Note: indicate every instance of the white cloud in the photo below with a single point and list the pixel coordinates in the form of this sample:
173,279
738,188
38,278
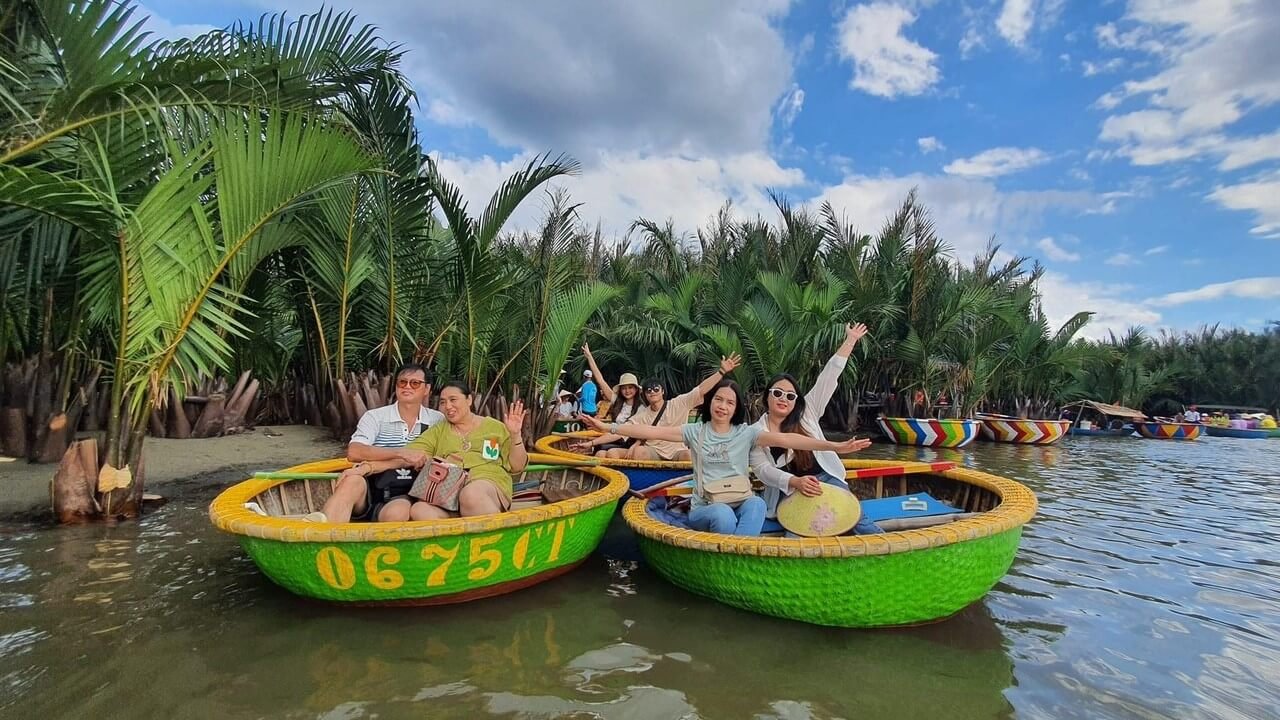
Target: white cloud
1121,260
1106,66
930,144
1015,21
1156,250
1262,196
162,29
790,105
996,162
885,62
1061,297
1218,61
1258,288
1054,251
971,41
967,212
618,188
446,113
690,78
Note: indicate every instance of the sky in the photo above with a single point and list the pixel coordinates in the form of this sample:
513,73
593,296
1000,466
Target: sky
1132,147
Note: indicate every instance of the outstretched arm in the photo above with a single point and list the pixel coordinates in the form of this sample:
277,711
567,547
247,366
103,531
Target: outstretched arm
853,332
640,432
825,386
606,389
796,441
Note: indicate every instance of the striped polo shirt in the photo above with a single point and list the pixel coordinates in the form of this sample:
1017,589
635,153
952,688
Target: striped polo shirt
382,427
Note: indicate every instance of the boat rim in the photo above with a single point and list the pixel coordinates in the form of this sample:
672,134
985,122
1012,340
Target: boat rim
544,446
229,514
1017,506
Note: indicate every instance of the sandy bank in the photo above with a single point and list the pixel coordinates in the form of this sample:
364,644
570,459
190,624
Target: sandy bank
223,460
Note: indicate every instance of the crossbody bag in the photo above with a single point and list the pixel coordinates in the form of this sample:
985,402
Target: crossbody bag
731,491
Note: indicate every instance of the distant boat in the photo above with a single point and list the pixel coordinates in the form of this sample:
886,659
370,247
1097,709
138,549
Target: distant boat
1004,428
929,432
1250,433
1159,430
1109,416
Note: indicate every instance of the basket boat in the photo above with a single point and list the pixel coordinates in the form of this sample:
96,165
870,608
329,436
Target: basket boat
929,432
1002,428
896,578
1100,432
548,531
1250,433
640,473
1156,430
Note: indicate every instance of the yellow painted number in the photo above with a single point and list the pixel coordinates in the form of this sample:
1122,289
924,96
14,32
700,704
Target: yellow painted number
433,551
555,542
521,551
491,558
335,568
383,578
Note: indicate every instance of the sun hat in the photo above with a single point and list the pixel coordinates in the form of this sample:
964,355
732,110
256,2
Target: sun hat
563,393
833,512
586,373
628,379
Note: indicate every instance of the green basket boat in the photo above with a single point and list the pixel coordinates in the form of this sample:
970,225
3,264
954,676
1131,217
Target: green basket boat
896,578
429,562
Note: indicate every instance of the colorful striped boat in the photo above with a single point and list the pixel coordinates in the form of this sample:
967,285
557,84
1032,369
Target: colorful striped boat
1156,430
929,432
1248,433
895,578
1003,428
431,562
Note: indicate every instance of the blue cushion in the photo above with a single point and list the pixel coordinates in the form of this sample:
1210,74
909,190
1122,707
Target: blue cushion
918,505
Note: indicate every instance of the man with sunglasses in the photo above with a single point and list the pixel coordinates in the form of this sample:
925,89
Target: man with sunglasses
382,434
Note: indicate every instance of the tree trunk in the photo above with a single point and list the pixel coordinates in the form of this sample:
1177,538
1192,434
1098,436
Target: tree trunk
210,422
54,439
75,483
13,432
179,424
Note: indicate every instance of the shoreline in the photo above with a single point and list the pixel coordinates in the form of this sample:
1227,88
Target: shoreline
24,487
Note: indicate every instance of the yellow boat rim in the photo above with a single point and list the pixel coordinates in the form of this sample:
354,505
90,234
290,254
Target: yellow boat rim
1017,506
546,446
228,512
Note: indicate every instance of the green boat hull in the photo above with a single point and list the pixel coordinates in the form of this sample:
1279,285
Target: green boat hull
857,592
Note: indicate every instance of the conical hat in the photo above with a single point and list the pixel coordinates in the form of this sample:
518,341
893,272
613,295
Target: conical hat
834,512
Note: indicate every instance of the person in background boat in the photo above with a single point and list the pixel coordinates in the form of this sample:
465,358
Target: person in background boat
568,407
491,451
624,399
1192,415
786,411
1267,423
722,441
587,393
661,412
381,435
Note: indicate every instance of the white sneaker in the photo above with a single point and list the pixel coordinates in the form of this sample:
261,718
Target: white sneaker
316,517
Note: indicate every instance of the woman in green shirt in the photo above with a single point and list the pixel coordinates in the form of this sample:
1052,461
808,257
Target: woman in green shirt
490,450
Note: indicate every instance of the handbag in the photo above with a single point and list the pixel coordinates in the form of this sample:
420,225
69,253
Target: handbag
731,491
440,483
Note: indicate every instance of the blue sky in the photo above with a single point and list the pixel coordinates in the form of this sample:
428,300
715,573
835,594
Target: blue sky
1132,147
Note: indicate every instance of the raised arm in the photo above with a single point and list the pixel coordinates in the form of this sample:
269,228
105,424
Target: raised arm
825,386
853,332
796,441
631,430
727,365
514,421
606,388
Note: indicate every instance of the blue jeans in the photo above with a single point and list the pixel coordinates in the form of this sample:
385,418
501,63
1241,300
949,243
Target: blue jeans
746,519
864,526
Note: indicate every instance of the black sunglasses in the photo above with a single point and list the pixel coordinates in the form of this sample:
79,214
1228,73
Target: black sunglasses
783,394
653,388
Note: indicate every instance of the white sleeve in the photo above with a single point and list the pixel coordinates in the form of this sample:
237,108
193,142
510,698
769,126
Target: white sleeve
770,474
824,387
366,430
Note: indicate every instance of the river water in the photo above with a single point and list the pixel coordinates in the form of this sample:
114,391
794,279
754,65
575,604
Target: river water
1147,587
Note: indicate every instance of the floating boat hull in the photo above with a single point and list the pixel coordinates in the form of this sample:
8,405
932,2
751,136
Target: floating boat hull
1168,431
415,563
1252,434
640,473
929,432
1100,432
896,578
1023,432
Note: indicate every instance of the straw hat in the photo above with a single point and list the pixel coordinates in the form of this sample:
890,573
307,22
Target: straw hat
834,512
628,379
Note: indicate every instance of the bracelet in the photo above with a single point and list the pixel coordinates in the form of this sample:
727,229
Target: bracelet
613,429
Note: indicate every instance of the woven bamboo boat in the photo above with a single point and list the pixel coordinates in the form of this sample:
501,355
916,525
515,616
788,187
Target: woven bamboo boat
896,578
929,432
1156,430
1248,433
1003,428
429,562
640,473
1100,432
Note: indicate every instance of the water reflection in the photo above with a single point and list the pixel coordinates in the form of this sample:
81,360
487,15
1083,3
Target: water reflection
1146,587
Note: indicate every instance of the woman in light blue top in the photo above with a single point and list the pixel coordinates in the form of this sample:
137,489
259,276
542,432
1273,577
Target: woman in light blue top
721,443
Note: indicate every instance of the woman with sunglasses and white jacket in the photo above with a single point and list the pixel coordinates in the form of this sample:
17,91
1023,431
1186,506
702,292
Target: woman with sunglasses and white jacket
785,471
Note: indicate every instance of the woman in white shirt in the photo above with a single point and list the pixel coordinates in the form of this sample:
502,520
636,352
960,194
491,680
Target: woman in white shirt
785,471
